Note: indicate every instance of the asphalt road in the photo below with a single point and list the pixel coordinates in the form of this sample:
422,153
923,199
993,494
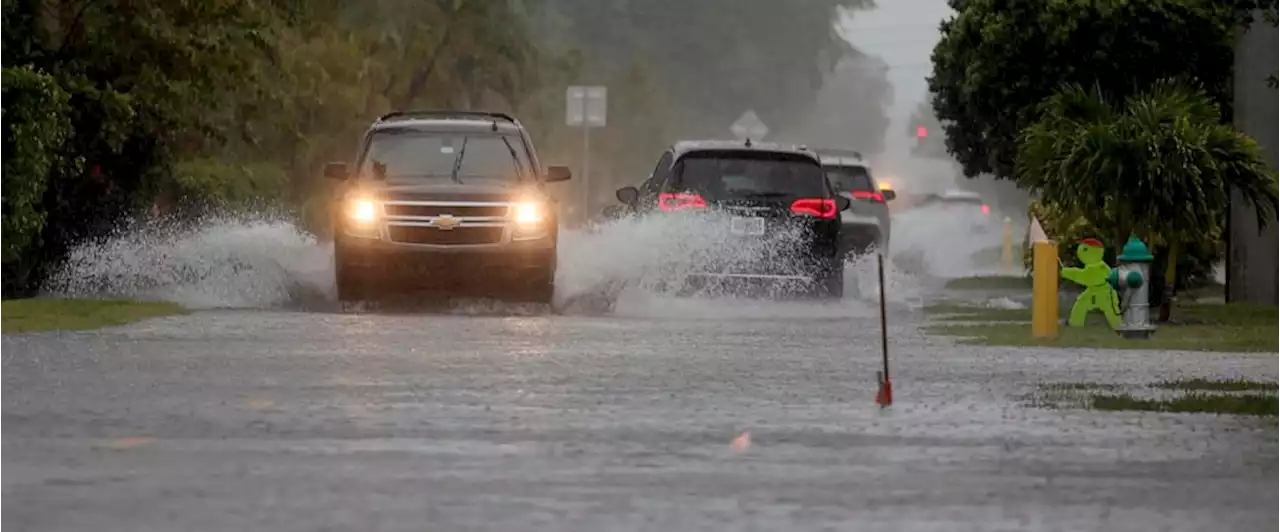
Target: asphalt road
255,420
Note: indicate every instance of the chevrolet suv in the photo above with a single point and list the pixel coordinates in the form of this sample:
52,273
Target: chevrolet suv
445,202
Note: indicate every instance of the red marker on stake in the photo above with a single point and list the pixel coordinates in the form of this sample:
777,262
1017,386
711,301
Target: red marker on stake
884,397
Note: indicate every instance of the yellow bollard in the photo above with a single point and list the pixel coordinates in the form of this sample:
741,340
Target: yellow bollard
1006,251
1044,290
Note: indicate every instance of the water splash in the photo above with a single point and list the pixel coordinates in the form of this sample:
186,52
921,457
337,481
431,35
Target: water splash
269,263
946,241
222,262
625,265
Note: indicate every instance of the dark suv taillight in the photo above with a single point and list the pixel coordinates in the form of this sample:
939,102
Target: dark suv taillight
820,207
669,202
872,195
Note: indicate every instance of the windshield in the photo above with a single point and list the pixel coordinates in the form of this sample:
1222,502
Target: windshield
849,178
405,154
744,175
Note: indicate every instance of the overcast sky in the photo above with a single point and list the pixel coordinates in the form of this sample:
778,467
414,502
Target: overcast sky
902,33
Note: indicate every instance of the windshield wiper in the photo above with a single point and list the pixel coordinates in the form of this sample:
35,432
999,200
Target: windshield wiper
457,161
512,151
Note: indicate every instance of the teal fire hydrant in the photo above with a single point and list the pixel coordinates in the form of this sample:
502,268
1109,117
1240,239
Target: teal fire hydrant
1129,278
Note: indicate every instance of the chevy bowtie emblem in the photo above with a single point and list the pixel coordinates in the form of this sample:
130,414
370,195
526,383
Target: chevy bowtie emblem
446,222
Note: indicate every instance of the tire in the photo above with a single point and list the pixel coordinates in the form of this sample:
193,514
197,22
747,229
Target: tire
830,282
539,287
351,283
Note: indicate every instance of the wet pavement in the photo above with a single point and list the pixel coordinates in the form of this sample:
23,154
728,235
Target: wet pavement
257,420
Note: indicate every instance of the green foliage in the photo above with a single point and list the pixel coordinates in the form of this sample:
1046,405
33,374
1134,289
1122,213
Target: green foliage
228,185
1160,166
998,59
35,128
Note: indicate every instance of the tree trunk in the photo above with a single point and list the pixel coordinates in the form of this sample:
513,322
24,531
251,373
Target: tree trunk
1170,283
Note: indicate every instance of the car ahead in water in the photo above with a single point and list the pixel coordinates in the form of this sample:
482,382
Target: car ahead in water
445,201
867,218
776,200
963,207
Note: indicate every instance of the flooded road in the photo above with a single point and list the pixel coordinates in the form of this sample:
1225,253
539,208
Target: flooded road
268,408
268,420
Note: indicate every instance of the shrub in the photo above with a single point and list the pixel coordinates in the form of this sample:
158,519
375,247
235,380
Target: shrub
36,125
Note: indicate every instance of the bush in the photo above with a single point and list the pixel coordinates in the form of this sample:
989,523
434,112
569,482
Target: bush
36,125
211,184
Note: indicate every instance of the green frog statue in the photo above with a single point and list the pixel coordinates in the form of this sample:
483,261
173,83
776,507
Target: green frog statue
1093,276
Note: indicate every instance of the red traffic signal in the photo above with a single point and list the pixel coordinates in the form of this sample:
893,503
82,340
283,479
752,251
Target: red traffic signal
921,132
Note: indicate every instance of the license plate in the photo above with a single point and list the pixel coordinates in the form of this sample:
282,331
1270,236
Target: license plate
747,226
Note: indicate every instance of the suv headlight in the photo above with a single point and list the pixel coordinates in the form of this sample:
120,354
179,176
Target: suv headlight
363,211
361,218
529,214
530,218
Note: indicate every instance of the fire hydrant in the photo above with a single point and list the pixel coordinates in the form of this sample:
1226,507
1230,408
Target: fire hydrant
1129,278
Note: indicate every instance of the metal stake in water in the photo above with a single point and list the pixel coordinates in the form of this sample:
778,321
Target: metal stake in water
884,397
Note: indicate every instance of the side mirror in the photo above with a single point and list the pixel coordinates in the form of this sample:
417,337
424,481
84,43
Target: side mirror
335,170
889,194
628,195
558,173
843,202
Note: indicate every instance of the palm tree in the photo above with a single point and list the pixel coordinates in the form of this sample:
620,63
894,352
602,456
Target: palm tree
1160,165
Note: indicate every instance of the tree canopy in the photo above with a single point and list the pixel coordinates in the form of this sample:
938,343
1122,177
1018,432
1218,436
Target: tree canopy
998,59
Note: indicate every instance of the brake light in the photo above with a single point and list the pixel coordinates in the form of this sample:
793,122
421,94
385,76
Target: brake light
669,202
821,207
873,195
986,209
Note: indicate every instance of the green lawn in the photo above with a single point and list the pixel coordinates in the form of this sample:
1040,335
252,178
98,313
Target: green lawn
1220,396
1195,327
34,315
1254,404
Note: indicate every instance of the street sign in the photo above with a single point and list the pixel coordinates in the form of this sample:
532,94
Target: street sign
749,126
589,101
586,107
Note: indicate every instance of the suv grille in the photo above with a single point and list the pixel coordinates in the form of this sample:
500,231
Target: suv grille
459,211
408,234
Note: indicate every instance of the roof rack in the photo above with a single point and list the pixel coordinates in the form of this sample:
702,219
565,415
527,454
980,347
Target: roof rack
444,113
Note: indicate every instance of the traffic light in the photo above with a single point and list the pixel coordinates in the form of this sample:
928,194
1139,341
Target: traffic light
922,132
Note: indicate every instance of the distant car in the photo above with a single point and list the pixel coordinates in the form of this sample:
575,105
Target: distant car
867,218
962,204
450,201
768,191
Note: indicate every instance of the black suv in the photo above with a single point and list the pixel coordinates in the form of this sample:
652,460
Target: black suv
445,201
768,193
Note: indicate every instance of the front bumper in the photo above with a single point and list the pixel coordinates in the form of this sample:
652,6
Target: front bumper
402,266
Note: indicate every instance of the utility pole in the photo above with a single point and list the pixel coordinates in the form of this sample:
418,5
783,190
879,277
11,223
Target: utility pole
1252,254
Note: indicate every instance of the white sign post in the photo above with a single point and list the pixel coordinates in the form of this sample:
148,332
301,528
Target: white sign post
749,126
586,107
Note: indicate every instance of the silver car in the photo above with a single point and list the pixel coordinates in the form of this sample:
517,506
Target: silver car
867,218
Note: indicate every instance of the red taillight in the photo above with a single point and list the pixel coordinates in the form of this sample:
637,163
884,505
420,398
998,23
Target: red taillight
872,195
669,202
820,207
986,209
